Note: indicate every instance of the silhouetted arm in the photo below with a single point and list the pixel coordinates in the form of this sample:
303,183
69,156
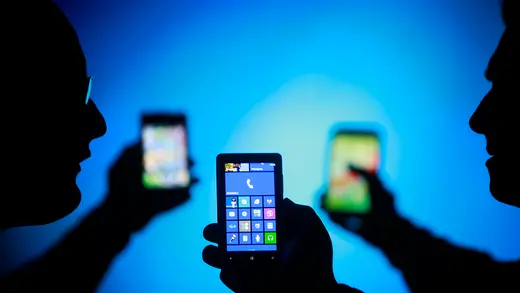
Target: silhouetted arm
431,264
77,263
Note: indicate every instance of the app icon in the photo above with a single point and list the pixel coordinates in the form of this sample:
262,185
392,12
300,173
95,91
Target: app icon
269,202
258,238
257,213
270,226
244,167
232,238
243,214
245,238
232,226
269,214
231,202
256,201
243,201
244,226
258,226
270,238
231,214
248,182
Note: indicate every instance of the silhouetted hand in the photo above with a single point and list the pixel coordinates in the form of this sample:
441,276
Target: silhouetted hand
129,201
381,213
306,265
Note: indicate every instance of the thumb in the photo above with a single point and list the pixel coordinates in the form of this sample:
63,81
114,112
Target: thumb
372,179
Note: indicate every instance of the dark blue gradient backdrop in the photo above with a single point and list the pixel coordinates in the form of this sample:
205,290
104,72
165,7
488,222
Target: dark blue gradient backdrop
259,76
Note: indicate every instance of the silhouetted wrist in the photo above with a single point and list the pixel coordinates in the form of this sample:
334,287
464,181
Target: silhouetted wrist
116,220
382,231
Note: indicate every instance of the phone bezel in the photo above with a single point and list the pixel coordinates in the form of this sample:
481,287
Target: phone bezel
248,256
345,129
163,119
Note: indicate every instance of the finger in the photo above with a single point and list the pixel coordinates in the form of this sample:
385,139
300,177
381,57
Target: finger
372,178
211,256
211,233
295,219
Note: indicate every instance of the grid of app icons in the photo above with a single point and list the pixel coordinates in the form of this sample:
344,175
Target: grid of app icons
250,206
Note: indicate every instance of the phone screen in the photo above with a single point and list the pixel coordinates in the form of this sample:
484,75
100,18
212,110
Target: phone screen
249,194
250,206
347,192
165,156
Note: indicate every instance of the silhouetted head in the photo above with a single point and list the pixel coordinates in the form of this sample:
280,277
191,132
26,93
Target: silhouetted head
48,124
498,115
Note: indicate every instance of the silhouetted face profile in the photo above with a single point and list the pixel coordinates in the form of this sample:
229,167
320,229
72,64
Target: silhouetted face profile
498,115
50,120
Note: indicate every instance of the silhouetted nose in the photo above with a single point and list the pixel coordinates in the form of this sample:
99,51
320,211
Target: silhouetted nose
481,117
96,126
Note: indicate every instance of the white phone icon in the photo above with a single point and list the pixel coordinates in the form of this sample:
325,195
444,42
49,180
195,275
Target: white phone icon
248,182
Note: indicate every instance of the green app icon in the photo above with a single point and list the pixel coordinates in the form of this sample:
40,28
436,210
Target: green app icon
270,238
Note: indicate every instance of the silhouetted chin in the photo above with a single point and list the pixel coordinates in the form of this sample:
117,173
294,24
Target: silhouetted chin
43,208
504,183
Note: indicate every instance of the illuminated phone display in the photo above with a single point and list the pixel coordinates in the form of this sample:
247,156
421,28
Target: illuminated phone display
165,156
250,207
347,192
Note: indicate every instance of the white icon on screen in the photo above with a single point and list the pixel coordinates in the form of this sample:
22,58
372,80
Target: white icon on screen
244,238
232,226
233,202
257,213
270,237
269,201
244,201
248,182
269,213
231,214
270,226
257,225
244,214
232,238
257,201
246,226
257,238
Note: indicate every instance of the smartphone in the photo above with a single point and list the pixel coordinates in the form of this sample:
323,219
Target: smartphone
347,192
249,198
165,152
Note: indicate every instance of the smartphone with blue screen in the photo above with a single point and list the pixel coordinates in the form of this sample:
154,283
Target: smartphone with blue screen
249,203
165,152
347,192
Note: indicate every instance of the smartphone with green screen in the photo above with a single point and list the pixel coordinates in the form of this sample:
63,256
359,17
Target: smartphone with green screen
347,192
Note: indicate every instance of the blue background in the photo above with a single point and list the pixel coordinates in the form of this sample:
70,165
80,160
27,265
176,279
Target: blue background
262,182
273,76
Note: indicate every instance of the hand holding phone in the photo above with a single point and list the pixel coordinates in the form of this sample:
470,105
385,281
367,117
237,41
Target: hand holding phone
306,263
137,191
128,202
355,197
347,192
266,243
